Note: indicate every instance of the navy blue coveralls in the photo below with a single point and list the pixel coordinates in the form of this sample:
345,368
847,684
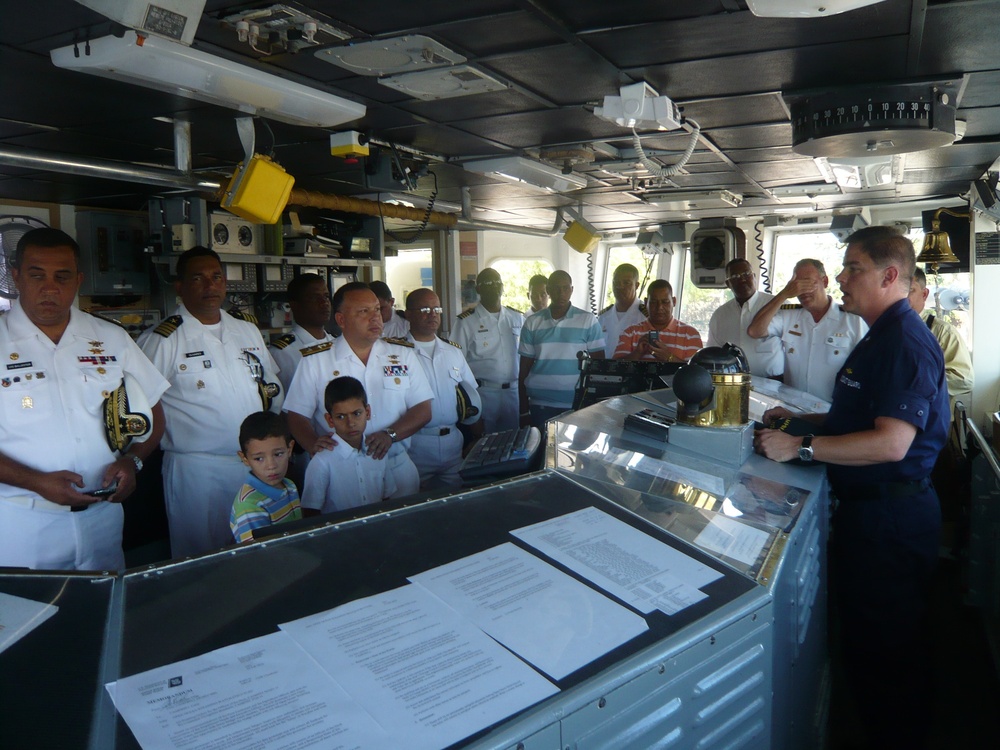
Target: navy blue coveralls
886,528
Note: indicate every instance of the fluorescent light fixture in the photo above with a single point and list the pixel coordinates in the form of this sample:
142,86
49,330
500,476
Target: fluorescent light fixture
864,172
805,191
535,173
679,200
805,8
167,66
444,83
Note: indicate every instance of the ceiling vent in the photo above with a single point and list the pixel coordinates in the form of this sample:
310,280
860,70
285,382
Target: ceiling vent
444,83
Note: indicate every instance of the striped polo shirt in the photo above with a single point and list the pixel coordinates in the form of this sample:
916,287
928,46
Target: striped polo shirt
554,344
682,340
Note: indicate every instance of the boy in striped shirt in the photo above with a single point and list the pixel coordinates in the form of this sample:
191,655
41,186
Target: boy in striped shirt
661,337
266,497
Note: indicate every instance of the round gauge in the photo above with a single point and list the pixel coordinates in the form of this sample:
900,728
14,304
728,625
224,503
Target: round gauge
245,235
878,121
220,234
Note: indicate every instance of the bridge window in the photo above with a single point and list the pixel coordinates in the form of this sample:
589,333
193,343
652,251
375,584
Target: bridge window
515,273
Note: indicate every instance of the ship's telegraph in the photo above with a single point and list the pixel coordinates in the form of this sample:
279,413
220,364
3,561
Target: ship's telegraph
713,390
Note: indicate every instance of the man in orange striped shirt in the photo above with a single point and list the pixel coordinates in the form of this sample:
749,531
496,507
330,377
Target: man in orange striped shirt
661,337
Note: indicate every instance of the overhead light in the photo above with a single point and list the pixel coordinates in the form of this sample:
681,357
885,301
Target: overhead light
805,191
639,106
381,57
519,169
679,200
167,66
862,173
805,8
444,83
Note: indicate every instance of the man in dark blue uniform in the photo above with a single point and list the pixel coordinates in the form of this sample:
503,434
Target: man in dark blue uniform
881,437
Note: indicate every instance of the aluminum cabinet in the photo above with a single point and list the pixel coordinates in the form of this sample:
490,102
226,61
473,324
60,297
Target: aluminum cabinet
682,492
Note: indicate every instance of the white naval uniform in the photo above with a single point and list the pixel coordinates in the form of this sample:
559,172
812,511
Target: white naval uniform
212,391
489,342
397,327
394,382
614,324
729,325
51,402
436,448
344,478
815,352
287,351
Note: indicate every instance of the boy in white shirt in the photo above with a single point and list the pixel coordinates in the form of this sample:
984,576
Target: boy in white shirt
346,476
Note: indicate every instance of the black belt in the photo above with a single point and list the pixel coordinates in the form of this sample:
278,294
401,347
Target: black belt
78,508
437,431
876,490
493,382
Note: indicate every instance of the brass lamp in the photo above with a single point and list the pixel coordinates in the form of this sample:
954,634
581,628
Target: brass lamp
937,249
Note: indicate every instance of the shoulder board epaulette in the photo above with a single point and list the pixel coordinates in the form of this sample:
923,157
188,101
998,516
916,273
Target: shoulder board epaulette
791,306
106,320
457,346
168,326
604,310
467,313
282,341
240,315
514,309
643,309
316,348
400,342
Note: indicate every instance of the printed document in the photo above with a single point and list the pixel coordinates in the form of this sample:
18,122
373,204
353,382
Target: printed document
265,693
424,672
546,617
638,569
729,537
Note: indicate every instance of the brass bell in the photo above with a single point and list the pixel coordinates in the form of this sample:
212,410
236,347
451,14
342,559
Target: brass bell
937,249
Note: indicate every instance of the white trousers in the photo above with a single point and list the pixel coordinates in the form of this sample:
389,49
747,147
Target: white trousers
199,490
500,408
437,457
46,539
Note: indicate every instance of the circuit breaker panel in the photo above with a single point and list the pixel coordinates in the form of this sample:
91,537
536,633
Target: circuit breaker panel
112,253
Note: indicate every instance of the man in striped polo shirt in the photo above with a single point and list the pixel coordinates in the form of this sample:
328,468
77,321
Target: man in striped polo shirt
550,342
662,337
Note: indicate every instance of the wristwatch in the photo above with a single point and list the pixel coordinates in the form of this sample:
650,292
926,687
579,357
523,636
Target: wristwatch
806,449
391,433
136,460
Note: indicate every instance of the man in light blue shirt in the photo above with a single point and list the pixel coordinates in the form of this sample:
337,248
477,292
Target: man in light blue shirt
550,342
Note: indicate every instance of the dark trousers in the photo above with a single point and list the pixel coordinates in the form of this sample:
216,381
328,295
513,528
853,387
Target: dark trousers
883,552
542,414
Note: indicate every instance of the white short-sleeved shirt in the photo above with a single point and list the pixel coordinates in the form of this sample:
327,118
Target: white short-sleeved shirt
729,325
212,385
52,395
489,342
394,381
287,351
614,324
815,352
445,368
345,477
397,327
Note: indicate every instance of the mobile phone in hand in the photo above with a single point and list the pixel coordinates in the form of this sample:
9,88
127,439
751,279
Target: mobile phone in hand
654,337
103,491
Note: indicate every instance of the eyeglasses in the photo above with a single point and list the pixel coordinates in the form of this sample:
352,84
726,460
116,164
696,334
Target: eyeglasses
497,282
740,276
429,310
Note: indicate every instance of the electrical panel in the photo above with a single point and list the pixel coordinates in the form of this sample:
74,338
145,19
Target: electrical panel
112,253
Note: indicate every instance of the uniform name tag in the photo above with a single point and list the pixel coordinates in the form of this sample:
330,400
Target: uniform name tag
795,333
19,366
194,354
394,370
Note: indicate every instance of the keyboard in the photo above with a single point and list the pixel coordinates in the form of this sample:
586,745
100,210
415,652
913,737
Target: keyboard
502,454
